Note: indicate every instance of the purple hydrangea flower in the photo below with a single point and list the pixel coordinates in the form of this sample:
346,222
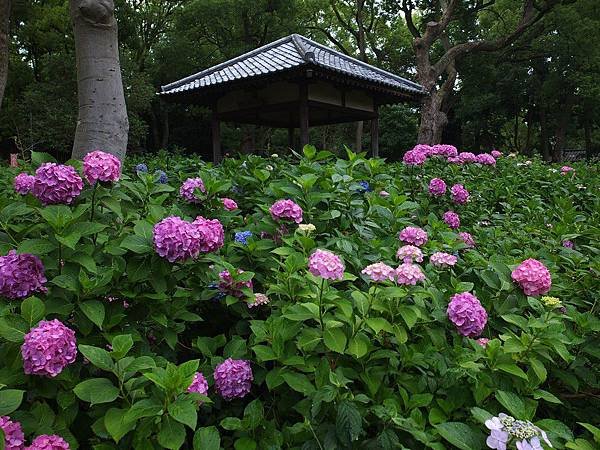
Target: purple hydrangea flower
446,150
101,166
176,240
259,299
409,253
229,204
231,287
467,157
467,239
486,159
286,210
414,157
211,234
48,348
325,264
21,275
467,314
161,177
187,191
496,154
437,187
409,274
48,442
533,277
441,259
199,384
459,194
233,378
14,439
452,219
568,244
23,183
379,272
56,184
413,235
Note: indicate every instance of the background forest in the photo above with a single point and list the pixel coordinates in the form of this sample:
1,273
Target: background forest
537,95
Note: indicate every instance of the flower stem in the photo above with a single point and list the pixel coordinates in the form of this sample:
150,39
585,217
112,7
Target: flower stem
322,287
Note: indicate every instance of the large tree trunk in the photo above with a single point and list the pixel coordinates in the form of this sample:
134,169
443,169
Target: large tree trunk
102,122
4,42
544,135
433,120
561,128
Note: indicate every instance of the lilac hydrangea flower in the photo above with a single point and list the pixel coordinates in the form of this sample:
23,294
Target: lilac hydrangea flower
533,277
414,157
452,219
325,264
446,150
56,184
568,244
413,235
409,253
467,239
460,195
187,191
48,348
486,159
21,275
229,204
409,274
437,187
379,272
231,287
467,314
14,439
467,157
441,259
286,210
101,166
211,234
505,429
233,378
199,384
23,183
175,239
48,442
259,299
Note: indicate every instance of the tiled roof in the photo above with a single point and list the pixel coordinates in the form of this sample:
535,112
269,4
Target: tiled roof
286,53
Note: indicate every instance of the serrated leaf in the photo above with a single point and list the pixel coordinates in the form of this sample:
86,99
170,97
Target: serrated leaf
512,369
207,438
335,339
32,310
183,410
97,356
96,390
348,423
298,382
116,425
512,402
10,400
94,310
461,435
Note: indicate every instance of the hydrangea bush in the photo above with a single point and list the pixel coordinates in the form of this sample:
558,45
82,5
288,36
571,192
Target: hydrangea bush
286,303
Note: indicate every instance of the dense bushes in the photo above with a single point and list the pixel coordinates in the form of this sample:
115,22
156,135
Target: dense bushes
200,333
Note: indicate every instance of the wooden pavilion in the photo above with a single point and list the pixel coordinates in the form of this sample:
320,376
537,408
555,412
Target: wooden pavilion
291,83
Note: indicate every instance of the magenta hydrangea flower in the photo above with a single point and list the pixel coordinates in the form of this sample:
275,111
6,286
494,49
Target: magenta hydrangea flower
176,240
446,150
56,184
566,169
379,272
441,259
467,157
460,195
413,235
21,275
454,160
48,348
286,210
496,154
233,378
14,439
231,287
467,239
437,187
325,264
486,159
229,204
259,299
409,274
23,183
533,277
568,244
409,253
467,314
187,191
211,234
48,442
101,166
452,219
423,148
199,384
414,157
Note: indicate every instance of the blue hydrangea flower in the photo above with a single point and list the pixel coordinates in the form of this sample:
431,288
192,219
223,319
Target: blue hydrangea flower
364,186
242,236
161,177
141,168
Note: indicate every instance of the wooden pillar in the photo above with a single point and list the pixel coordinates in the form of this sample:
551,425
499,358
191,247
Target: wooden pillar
375,133
291,137
215,126
303,115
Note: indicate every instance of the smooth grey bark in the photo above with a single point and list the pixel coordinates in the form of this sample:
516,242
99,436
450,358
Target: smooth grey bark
102,123
4,42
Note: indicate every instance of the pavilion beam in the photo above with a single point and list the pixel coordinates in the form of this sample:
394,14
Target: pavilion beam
215,126
303,105
375,133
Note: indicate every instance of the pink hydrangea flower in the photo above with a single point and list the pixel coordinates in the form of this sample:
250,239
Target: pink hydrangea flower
452,219
467,239
460,195
23,183
56,184
414,157
441,259
467,157
286,210
325,264
379,272
101,166
533,277
496,154
413,235
48,442
199,384
259,299
233,378
187,191
467,314
446,150
229,204
423,148
437,187
483,342
566,169
409,274
21,275
48,348
454,160
211,234
176,240
486,159
384,193
231,287
14,439
409,253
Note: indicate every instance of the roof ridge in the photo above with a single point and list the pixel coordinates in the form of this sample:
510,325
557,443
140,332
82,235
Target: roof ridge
227,63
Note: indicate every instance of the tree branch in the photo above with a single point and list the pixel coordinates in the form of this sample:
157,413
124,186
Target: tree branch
331,37
407,8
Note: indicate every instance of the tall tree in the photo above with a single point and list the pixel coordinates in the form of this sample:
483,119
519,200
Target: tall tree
4,44
434,35
102,122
